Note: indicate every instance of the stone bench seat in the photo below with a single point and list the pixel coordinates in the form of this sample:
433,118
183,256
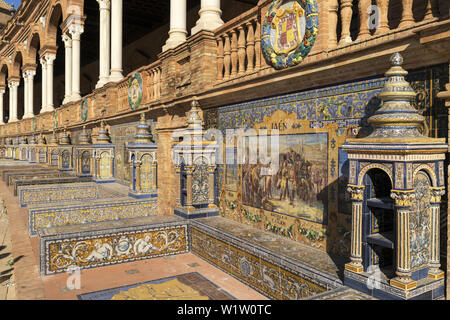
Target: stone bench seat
88,212
56,180
277,267
107,243
56,194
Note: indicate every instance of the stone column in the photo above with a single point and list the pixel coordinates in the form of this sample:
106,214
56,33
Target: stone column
357,195
210,16
44,85
435,272
68,67
28,76
2,92
50,58
116,40
25,95
13,85
75,31
105,37
403,200
177,32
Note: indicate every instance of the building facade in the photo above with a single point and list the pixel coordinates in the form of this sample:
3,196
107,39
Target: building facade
312,71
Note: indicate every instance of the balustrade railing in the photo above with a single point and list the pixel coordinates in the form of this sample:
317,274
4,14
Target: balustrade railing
239,46
349,21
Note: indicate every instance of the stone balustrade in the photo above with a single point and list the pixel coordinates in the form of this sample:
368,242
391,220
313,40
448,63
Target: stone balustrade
239,46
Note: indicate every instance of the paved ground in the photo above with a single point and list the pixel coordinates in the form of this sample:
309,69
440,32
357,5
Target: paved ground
28,285
7,289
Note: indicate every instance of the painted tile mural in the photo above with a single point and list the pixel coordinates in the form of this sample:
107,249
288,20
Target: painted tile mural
305,199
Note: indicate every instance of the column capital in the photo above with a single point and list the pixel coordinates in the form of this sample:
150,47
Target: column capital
13,83
104,4
43,62
75,30
403,198
436,194
67,40
29,73
356,192
2,91
50,58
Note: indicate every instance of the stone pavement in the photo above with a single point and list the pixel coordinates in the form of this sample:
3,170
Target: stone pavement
7,290
29,285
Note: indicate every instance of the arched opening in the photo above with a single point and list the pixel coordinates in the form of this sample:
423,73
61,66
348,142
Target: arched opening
35,46
3,80
55,33
18,63
378,223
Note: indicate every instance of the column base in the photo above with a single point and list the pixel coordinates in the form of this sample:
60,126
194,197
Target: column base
209,20
75,97
403,284
116,75
28,116
176,37
436,274
101,83
345,41
47,109
13,120
67,99
356,268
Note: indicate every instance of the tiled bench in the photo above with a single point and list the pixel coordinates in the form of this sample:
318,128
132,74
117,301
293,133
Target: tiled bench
277,267
108,243
96,211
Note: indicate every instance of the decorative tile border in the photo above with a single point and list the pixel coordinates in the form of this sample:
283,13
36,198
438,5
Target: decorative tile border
97,211
107,244
34,195
268,273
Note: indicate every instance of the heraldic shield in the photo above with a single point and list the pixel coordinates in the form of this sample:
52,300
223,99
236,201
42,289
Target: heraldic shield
289,32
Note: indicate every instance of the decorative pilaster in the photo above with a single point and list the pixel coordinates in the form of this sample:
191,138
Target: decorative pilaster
105,38
75,31
178,185
357,196
210,16
189,171
346,18
138,175
68,67
116,40
177,32
211,170
403,199
434,263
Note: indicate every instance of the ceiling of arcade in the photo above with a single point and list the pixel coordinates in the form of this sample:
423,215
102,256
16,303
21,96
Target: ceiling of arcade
36,27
